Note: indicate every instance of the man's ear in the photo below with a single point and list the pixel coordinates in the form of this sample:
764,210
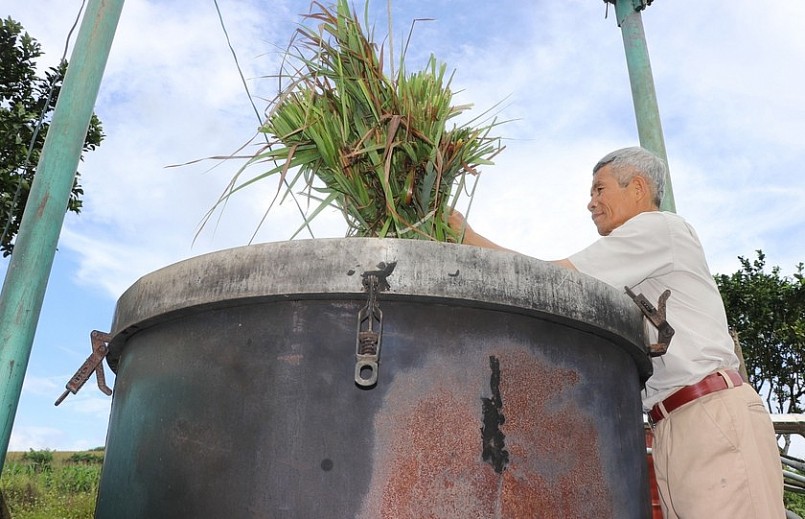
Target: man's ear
641,188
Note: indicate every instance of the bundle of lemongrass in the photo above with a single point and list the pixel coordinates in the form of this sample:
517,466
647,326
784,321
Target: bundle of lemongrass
379,146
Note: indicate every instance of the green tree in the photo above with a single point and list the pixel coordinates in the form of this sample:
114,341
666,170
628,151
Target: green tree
767,310
25,99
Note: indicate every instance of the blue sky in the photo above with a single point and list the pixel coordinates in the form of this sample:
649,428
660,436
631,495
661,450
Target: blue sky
729,82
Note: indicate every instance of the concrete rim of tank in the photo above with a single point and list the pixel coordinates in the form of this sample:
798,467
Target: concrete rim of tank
427,271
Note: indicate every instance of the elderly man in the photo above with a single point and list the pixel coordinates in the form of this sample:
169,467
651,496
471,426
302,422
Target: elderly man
715,453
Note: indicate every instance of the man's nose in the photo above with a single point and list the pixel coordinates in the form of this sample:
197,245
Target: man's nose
591,204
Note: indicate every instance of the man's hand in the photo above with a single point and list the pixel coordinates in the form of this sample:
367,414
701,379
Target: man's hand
458,224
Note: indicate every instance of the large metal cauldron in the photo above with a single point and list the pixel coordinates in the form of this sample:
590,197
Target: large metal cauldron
506,388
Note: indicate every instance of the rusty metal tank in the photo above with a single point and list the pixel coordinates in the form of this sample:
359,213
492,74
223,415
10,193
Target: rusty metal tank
369,378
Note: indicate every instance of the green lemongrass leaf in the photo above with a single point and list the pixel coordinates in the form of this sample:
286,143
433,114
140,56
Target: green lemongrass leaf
426,187
324,204
383,232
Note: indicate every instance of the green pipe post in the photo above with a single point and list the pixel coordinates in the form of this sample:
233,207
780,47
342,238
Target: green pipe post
35,246
647,113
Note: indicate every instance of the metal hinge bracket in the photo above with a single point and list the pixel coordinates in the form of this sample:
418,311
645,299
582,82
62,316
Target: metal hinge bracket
656,316
100,347
370,326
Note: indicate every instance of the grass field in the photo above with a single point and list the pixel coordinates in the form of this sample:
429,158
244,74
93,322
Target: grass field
51,485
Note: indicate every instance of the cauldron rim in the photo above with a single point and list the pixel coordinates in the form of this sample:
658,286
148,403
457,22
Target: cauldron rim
425,271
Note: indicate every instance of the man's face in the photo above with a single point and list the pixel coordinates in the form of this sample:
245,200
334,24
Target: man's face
610,204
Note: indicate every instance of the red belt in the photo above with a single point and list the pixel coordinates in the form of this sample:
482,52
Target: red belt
709,384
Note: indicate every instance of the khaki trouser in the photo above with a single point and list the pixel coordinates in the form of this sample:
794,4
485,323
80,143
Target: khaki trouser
717,457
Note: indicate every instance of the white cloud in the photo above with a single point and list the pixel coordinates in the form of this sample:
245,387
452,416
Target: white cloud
36,438
42,385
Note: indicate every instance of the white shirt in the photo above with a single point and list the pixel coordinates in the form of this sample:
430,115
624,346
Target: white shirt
650,253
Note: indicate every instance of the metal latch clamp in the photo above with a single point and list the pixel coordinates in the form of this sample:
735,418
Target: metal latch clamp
100,347
656,316
370,326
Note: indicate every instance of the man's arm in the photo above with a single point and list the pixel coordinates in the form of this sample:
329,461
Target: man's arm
458,223
565,263
469,236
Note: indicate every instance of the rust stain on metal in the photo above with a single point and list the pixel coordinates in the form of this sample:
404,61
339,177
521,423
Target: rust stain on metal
555,468
428,456
40,210
436,470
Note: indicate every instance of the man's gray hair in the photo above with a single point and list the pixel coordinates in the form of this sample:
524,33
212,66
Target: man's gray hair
628,162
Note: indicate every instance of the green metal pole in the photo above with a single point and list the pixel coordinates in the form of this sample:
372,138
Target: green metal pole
649,128
35,246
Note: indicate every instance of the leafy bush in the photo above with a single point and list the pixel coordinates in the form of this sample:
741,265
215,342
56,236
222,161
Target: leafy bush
41,459
24,97
77,478
86,458
795,498
795,502
20,486
65,490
